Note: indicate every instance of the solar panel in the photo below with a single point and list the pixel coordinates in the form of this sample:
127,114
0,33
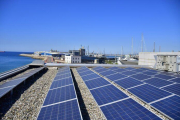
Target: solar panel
158,82
141,76
170,106
128,73
177,75
107,94
129,68
167,73
116,76
154,71
85,73
97,68
59,95
113,68
62,77
165,77
108,72
149,93
127,110
96,83
64,111
176,80
128,82
139,70
175,88
60,83
89,77
5,90
149,73
101,70
120,70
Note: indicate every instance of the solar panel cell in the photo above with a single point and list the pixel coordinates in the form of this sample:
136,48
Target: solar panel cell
176,80
108,72
128,73
120,70
107,94
89,77
149,93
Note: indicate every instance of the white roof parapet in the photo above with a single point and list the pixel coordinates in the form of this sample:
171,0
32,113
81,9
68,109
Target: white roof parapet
94,65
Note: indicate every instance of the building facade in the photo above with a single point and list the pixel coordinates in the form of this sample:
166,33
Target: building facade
72,59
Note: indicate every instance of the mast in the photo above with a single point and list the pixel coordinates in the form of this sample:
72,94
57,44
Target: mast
142,43
132,46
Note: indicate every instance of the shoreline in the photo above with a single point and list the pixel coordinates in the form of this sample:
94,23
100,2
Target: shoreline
33,56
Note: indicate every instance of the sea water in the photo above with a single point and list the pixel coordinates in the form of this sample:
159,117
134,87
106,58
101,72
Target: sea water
12,60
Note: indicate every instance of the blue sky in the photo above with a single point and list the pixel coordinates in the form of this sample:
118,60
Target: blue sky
35,25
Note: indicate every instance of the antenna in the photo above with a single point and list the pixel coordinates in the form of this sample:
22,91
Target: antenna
142,43
132,46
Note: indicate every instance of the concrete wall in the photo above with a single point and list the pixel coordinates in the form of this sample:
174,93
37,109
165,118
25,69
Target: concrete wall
149,58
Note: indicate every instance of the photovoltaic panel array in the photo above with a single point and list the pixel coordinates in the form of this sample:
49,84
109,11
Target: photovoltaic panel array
11,72
114,103
10,85
116,76
61,101
161,96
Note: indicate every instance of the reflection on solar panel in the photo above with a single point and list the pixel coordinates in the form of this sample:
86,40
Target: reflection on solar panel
128,73
64,111
107,94
101,70
97,68
5,90
127,110
158,82
128,82
116,76
176,80
164,76
108,72
96,83
154,71
149,93
170,106
60,83
167,73
149,73
60,94
139,70
89,77
175,88
141,77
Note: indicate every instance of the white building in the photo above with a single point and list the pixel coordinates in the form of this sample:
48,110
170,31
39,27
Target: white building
72,59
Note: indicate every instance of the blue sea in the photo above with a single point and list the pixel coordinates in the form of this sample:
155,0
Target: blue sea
12,60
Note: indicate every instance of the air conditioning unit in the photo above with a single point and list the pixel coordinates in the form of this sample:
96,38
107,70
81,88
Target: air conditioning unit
168,63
